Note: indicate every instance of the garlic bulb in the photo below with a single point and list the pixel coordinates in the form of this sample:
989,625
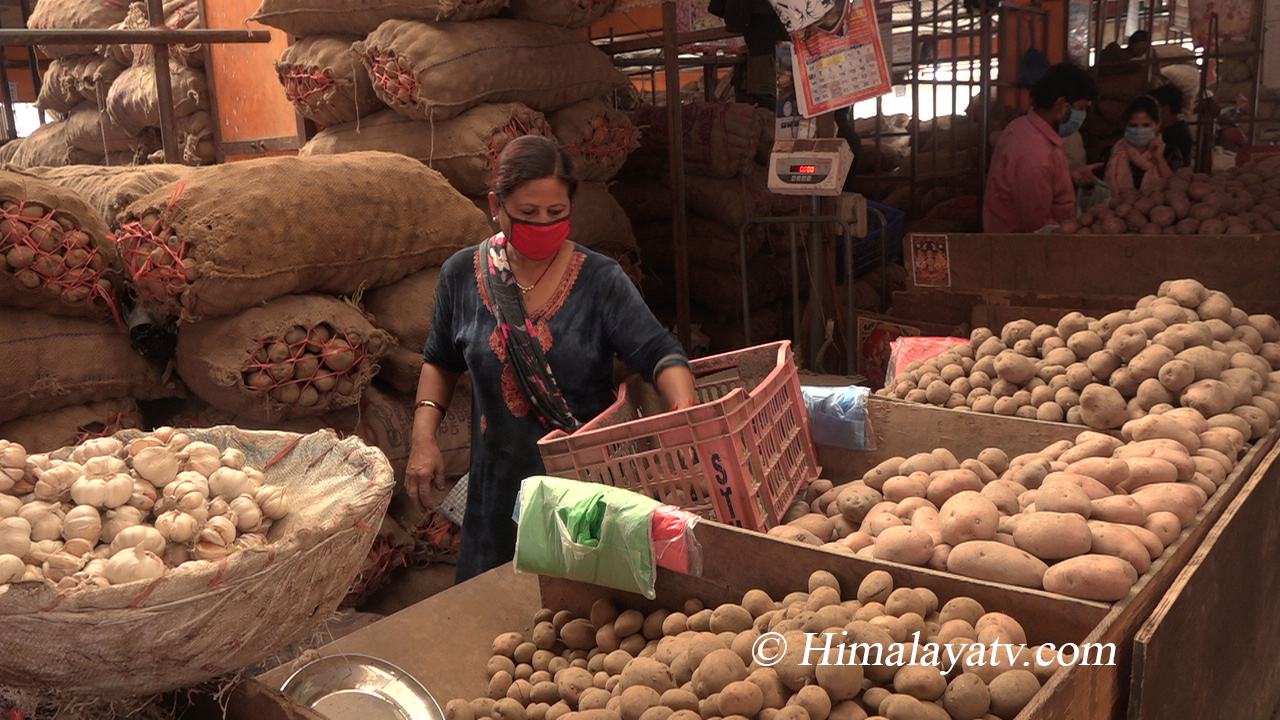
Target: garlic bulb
9,505
156,465
54,484
142,443
45,519
39,461
133,564
61,564
215,540
178,441
140,536
184,495
41,551
107,492
162,434
144,496
119,519
201,457
83,580
230,484
219,506
82,521
176,554
177,527
248,516
11,569
13,464
250,541
233,458
272,500
15,536
104,466
97,447
32,573
79,547
201,482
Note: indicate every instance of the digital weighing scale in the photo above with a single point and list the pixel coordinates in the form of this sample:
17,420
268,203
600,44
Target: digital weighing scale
809,167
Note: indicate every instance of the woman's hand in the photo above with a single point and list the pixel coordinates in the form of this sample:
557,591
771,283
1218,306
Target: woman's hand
425,468
1157,145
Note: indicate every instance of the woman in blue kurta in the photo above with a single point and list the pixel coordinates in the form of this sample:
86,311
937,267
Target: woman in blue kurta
537,321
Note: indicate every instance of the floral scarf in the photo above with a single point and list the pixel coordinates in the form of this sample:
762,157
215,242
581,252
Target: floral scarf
524,352
1119,173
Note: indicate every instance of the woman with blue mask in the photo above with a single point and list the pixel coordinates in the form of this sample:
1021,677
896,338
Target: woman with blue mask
1137,160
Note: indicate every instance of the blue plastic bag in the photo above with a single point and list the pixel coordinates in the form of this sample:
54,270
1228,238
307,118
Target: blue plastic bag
838,417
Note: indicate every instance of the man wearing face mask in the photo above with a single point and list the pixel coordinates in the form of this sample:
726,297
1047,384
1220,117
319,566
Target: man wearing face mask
537,320
1029,184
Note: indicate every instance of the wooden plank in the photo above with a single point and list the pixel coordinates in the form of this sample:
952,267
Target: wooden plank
1090,693
1245,266
905,428
445,640
735,561
1211,648
247,700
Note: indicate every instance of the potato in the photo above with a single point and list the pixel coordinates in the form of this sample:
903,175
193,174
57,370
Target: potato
1084,343
1092,577
814,700
876,476
741,698
1163,426
920,462
994,458
903,544
1102,407
1258,420
1210,397
1119,541
1181,499
1244,381
1011,691
1187,292
1207,362
856,499
1014,367
994,561
578,634
817,524
1165,525
967,697
1111,472
1053,535
506,643
509,709
923,682
1067,493
968,515
1127,341
1215,305
1118,509
875,587
946,484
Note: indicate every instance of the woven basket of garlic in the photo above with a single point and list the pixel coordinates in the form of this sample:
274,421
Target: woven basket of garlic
146,562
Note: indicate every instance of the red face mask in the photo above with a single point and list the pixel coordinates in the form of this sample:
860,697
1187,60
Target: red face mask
538,241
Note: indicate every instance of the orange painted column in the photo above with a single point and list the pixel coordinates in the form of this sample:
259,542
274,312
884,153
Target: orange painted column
254,117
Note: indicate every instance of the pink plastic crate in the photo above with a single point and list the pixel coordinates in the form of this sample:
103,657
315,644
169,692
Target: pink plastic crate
739,457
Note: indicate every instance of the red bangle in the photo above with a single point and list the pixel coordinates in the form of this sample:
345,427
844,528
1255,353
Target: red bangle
683,404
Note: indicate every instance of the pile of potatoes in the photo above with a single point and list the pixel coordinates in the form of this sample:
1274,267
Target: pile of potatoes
1184,346
1240,201
698,664
1084,518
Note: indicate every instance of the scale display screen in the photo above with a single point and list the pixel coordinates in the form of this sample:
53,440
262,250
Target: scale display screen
804,169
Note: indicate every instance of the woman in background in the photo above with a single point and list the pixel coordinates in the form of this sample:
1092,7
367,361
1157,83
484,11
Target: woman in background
1137,160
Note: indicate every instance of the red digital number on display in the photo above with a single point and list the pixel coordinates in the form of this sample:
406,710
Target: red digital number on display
804,169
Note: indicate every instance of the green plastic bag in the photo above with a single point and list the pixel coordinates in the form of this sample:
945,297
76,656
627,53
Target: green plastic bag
586,531
1088,198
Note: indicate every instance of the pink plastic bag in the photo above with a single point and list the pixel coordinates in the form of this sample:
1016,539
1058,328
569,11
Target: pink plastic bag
906,350
674,545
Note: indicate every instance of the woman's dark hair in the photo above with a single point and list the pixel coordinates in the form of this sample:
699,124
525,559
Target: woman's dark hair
532,157
1169,96
1063,80
1143,104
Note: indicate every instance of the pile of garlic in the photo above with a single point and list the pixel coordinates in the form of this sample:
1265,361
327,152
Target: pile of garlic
115,513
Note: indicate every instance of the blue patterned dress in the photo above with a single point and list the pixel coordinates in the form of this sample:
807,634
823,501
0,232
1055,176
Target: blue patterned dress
594,314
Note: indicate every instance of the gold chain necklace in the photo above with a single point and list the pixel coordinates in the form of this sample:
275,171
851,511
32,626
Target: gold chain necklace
526,289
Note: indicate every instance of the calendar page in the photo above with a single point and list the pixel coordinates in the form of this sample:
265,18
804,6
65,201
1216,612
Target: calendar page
841,60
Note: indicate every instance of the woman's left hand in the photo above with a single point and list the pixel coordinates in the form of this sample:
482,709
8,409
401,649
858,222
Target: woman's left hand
1157,145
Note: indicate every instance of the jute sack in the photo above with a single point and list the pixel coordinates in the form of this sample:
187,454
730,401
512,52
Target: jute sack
55,362
644,201
75,15
719,286
93,77
463,149
324,80
385,420
9,150
565,13
195,139
404,308
91,130
720,139
435,71
323,17
599,222
294,356
178,14
729,201
58,90
334,224
134,105
598,137
205,619
59,256
51,430
710,244
109,190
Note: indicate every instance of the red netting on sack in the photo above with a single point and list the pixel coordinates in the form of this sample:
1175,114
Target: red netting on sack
303,85
608,141
396,80
305,366
110,426
154,255
384,557
532,124
44,249
437,540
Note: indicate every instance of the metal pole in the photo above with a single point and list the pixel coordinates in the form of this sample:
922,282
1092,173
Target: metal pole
32,58
164,86
816,328
675,150
11,123
28,38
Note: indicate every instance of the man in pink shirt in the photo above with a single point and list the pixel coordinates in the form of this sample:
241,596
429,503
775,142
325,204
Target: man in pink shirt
1029,184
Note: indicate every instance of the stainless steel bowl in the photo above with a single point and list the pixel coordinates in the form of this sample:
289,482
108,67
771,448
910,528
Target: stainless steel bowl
360,687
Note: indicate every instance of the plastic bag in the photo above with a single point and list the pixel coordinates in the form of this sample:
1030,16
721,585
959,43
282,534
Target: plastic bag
454,505
838,418
674,545
586,531
1088,198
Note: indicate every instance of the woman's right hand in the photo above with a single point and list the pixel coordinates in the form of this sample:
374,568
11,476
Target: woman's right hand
425,468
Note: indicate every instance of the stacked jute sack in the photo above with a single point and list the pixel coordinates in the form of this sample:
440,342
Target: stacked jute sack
726,185
104,97
268,292
72,372
450,83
